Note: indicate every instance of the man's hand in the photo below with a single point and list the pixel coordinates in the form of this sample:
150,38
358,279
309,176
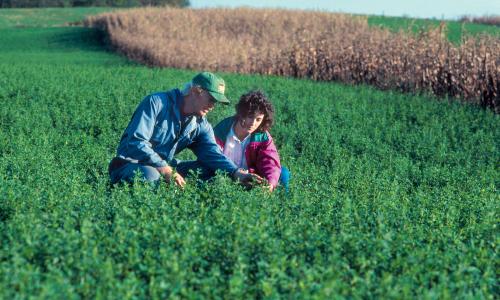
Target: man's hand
247,179
168,173
179,180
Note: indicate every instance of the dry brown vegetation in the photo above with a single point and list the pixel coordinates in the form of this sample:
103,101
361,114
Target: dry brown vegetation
488,20
317,45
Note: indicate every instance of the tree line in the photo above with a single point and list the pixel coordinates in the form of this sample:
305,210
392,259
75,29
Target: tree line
71,3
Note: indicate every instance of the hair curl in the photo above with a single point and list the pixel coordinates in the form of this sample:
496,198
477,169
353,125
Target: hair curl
253,103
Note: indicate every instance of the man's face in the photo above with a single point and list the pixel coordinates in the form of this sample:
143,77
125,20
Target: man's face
204,103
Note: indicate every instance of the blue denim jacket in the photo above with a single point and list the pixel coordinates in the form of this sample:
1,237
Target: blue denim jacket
154,135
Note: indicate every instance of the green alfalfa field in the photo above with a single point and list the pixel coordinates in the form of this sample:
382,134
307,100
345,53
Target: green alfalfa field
392,195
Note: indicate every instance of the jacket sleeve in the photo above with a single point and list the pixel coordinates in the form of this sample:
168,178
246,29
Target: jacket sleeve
209,153
140,130
268,162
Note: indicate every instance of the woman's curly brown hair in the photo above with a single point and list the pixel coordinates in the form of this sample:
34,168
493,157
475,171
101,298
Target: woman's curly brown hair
253,103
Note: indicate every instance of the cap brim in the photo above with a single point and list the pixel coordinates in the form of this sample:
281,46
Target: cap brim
219,97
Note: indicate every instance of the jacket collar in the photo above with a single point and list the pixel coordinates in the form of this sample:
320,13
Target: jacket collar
222,129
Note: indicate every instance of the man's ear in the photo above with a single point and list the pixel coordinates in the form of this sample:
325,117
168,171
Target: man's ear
197,90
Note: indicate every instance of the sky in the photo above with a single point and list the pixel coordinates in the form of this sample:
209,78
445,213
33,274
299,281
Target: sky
439,9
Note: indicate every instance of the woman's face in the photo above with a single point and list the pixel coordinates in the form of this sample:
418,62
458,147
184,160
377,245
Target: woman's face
251,122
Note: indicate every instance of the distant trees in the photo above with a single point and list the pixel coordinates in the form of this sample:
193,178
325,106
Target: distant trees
487,19
70,3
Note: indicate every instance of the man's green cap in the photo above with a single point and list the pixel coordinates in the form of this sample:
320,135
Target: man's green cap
212,84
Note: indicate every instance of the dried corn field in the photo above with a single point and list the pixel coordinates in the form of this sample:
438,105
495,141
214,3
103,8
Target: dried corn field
316,45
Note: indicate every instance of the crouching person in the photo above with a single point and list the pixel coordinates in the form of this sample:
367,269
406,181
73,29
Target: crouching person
245,139
166,123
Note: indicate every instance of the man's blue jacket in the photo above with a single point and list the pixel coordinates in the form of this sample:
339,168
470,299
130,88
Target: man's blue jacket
158,131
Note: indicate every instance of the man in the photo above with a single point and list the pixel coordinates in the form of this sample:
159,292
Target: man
164,124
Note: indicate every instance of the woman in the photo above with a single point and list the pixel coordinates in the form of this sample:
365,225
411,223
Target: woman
244,138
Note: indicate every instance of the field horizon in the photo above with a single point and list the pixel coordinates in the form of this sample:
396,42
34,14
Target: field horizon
392,196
